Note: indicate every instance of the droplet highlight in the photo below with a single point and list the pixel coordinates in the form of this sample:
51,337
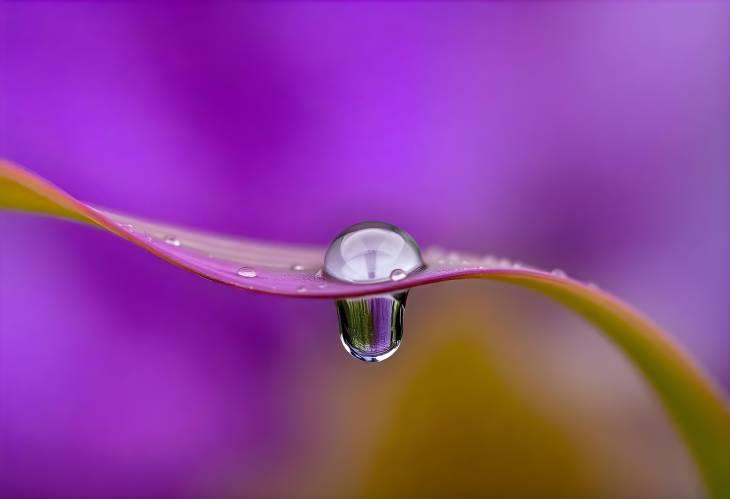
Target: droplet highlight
371,328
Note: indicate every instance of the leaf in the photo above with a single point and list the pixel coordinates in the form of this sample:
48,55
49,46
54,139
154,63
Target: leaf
696,406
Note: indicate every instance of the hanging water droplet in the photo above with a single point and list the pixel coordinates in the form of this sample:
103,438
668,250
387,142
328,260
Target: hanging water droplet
398,275
246,272
297,267
172,241
371,327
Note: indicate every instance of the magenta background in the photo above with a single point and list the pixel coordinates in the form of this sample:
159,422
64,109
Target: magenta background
589,137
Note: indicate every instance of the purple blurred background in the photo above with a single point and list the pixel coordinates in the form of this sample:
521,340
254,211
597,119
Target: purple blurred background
588,137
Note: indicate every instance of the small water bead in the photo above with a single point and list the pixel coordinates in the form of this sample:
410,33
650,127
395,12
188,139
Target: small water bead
246,272
301,289
172,241
371,327
297,267
398,275
559,273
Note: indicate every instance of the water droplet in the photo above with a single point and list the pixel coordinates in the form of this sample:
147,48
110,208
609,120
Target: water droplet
172,241
559,273
371,327
322,286
398,275
297,267
128,227
301,289
367,253
246,272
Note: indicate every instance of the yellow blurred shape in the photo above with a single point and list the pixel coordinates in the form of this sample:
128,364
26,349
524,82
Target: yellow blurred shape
459,429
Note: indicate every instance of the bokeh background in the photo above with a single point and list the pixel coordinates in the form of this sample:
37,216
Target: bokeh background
590,137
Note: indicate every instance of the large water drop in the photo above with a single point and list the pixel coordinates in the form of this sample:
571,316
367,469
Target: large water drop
371,327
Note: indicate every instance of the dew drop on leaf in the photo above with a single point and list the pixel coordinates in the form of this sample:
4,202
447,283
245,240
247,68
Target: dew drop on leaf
398,275
172,241
246,272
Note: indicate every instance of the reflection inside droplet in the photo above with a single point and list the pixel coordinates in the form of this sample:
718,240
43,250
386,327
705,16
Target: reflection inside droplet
371,327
